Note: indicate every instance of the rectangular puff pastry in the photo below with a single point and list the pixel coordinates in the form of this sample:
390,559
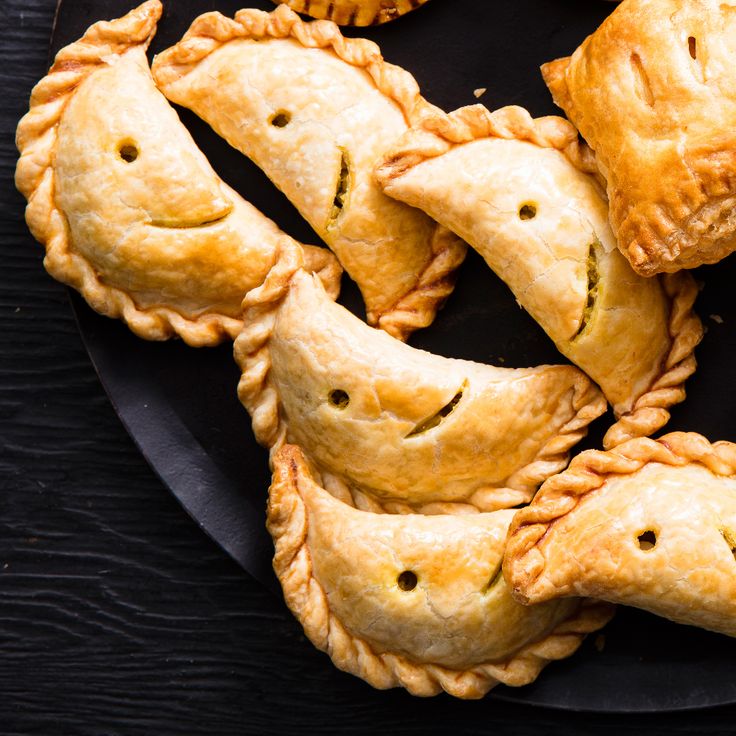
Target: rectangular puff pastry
653,92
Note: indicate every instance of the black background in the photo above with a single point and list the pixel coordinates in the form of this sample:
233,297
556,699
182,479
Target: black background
117,614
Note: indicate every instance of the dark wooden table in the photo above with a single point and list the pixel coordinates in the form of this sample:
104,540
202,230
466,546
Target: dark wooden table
117,614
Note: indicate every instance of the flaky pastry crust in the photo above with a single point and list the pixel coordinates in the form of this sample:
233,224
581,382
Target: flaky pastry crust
354,12
316,110
361,404
347,577
129,210
652,91
649,524
500,180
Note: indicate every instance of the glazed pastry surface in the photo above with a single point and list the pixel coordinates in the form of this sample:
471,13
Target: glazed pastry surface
650,524
516,190
354,12
652,92
130,211
407,428
411,600
316,111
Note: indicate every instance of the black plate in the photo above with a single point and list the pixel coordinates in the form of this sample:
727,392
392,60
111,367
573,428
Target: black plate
180,406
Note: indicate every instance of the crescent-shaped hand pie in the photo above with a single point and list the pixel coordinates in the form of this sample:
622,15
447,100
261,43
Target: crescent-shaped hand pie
413,601
405,429
517,190
650,524
354,12
130,211
316,111
652,91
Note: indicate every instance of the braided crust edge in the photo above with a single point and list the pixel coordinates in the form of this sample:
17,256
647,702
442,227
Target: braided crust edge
211,31
439,132
36,138
651,410
288,523
524,562
258,393
354,12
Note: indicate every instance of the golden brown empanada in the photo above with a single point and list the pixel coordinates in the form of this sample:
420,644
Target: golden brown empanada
354,12
413,601
516,189
130,211
652,91
650,524
316,111
401,428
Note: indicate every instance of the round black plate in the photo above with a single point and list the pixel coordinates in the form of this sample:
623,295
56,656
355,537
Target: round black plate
180,405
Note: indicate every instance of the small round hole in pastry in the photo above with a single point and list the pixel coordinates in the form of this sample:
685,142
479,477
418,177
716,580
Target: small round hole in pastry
647,540
280,119
407,580
128,151
527,211
339,398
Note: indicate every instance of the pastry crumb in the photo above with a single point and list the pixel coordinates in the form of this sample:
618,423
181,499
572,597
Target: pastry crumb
717,318
600,642
480,91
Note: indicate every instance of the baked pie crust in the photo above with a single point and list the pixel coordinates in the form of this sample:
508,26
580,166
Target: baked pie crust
650,524
354,12
316,111
130,211
413,601
519,191
399,428
652,91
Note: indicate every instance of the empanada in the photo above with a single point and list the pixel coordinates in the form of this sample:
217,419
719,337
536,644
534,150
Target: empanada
400,427
354,12
517,190
653,93
413,601
130,211
650,524
316,111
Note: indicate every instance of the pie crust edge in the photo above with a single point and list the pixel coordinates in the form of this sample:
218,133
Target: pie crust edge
439,132
210,31
524,562
288,523
354,12
258,394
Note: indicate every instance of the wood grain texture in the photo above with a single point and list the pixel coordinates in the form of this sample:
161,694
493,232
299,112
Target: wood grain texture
117,615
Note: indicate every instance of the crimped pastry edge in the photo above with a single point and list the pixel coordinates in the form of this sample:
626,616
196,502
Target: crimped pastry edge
559,496
438,132
258,394
354,12
288,523
36,139
210,31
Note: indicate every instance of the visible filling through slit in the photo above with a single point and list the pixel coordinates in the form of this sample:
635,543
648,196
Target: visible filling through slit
593,283
729,537
495,579
341,191
437,418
